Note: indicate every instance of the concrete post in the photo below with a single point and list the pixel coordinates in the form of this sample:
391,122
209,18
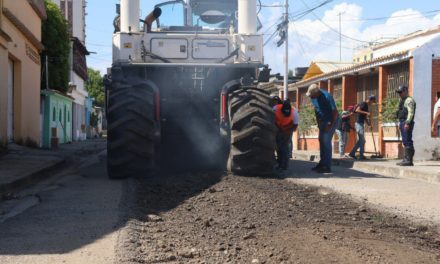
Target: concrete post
382,95
349,97
331,86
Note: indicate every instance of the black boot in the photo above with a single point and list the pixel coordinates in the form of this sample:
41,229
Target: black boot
409,161
405,158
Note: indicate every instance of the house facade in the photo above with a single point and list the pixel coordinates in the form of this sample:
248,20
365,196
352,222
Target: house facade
20,70
74,12
58,121
412,60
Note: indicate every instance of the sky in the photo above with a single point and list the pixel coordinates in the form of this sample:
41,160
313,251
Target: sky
313,37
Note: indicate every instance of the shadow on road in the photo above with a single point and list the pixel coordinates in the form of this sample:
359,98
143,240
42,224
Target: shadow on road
303,169
85,207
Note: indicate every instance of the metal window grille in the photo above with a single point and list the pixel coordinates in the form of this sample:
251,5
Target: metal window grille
398,74
369,85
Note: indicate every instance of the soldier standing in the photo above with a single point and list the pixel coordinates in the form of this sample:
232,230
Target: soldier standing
406,113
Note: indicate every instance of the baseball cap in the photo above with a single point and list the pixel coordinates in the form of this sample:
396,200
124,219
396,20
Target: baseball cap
286,108
401,88
312,90
372,98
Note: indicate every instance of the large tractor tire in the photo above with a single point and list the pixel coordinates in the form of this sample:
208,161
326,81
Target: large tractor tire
253,133
131,125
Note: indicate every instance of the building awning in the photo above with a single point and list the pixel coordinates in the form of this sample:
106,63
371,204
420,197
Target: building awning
321,67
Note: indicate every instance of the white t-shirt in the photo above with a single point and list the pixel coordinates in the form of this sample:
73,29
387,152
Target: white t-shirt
436,106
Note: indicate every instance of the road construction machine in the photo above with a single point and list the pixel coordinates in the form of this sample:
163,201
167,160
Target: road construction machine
183,89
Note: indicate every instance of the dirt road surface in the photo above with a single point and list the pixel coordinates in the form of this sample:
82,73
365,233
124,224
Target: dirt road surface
79,216
210,218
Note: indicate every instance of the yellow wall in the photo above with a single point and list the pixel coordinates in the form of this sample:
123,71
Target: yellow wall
24,12
27,73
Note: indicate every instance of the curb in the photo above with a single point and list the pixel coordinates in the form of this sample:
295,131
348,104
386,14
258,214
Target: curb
27,180
400,172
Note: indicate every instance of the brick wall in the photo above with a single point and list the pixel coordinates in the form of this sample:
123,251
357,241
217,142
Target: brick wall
393,150
435,81
311,144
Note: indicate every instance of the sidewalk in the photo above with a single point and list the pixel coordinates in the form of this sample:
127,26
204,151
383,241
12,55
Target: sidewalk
424,170
21,167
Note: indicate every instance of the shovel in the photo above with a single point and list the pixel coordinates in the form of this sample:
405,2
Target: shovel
376,154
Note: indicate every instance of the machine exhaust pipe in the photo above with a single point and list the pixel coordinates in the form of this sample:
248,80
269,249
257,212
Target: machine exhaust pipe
155,14
247,17
129,16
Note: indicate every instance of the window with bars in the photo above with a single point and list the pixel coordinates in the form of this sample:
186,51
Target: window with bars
369,85
337,89
398,74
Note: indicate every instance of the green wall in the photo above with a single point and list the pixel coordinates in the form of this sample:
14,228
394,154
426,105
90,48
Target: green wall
57,114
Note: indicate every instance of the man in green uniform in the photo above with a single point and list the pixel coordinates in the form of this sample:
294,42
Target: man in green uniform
406,113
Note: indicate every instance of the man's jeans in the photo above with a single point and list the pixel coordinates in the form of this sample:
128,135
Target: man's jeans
360,144
407,134
325,145
342,135
283,149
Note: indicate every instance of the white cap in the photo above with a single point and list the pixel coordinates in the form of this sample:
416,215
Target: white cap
312,90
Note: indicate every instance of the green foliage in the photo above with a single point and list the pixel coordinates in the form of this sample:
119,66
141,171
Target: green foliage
290,74
307,118
389,109
95,86
339,105
55,38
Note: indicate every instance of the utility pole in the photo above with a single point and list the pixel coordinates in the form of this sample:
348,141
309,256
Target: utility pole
47,72
340,37
286,51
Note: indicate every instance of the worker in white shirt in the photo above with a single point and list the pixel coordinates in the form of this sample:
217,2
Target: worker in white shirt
436,117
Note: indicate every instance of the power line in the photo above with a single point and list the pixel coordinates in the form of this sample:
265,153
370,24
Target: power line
309,10
332,29
300,42
392,17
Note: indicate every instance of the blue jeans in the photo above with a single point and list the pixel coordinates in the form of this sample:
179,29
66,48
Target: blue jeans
407,134
325,145
283,149
342,135
360,144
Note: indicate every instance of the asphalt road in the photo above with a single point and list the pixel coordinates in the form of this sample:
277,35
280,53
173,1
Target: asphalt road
72,218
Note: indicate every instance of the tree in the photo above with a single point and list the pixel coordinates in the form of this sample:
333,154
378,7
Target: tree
95,86
290,74
55,38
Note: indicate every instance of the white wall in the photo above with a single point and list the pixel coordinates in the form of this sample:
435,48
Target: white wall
404,45
79,20
424,144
